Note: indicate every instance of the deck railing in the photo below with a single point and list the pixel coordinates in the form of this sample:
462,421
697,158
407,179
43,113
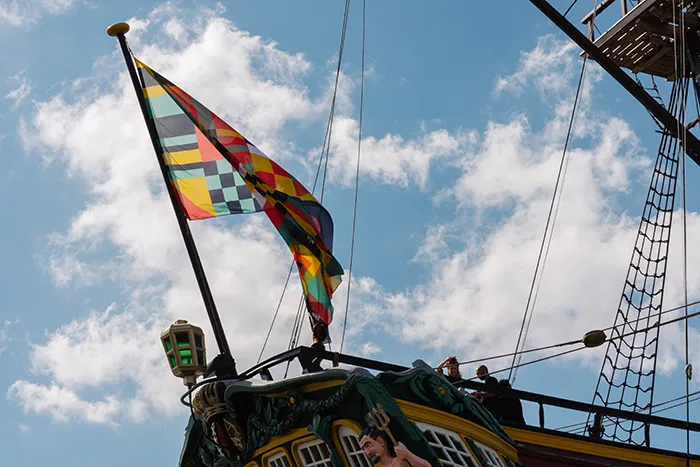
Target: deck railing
306,353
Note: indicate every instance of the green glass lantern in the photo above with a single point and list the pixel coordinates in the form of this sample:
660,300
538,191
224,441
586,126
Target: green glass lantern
184,348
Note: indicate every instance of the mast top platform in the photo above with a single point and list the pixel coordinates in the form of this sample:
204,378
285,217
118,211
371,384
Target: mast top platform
642,40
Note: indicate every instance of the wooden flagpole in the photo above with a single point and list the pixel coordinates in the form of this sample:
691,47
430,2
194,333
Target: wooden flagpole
119,30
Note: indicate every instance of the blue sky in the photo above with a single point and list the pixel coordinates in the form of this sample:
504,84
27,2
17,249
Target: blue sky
463,129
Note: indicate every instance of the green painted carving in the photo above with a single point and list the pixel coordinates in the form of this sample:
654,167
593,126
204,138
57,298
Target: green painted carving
428,385
375,393
272,416
211,456
222,461
276,416
193,438
322,428
200,449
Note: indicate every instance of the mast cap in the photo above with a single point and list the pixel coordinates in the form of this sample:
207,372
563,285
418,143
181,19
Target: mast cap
118,28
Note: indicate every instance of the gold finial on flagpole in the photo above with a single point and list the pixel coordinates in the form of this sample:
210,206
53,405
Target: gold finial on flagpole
118,28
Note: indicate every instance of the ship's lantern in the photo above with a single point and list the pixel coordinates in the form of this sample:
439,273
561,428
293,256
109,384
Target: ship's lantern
185,350
594,338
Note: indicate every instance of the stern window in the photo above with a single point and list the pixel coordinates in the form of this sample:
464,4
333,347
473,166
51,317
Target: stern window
351,445
448,446
315,454
492,458
278,460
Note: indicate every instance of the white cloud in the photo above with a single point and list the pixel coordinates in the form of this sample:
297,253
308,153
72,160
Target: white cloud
435,246
547,67
479,266
21,92
23,428
369,348
263,91
62,404
5,334
390,159
129,210
27,12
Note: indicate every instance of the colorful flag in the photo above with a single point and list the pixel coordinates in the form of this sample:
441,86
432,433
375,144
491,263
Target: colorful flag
206,184
216,171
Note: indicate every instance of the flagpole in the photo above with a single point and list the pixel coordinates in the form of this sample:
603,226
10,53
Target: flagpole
119,30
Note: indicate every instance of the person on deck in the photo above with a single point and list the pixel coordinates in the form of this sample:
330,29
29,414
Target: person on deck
511,409
320,335
488,400
380,451
453,373
483,374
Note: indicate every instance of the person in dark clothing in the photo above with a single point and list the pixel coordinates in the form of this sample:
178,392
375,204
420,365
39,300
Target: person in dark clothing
320,334
489,401
483,374
511,409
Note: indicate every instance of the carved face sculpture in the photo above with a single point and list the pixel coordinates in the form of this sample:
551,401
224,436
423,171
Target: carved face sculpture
374,449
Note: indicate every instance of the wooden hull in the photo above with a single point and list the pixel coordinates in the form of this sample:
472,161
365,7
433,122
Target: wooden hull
548,448
315,420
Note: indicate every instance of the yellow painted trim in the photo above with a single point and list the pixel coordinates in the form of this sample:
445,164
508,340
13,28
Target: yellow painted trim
336,437
280,440
421,413
295,448
354,426
251,464
595,449
272,452
311,387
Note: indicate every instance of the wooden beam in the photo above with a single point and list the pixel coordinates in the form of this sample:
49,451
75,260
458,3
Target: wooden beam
598,10
658,28
623,24
649,62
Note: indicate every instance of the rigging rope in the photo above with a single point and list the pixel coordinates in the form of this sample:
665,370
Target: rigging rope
575,427
296,330
578,428
329,128
570,7
572,342
620,337
277,310
515,364
546,253
643,292
324,152
357,175
684,229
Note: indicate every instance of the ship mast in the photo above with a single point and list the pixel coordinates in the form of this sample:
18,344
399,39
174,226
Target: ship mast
656,38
